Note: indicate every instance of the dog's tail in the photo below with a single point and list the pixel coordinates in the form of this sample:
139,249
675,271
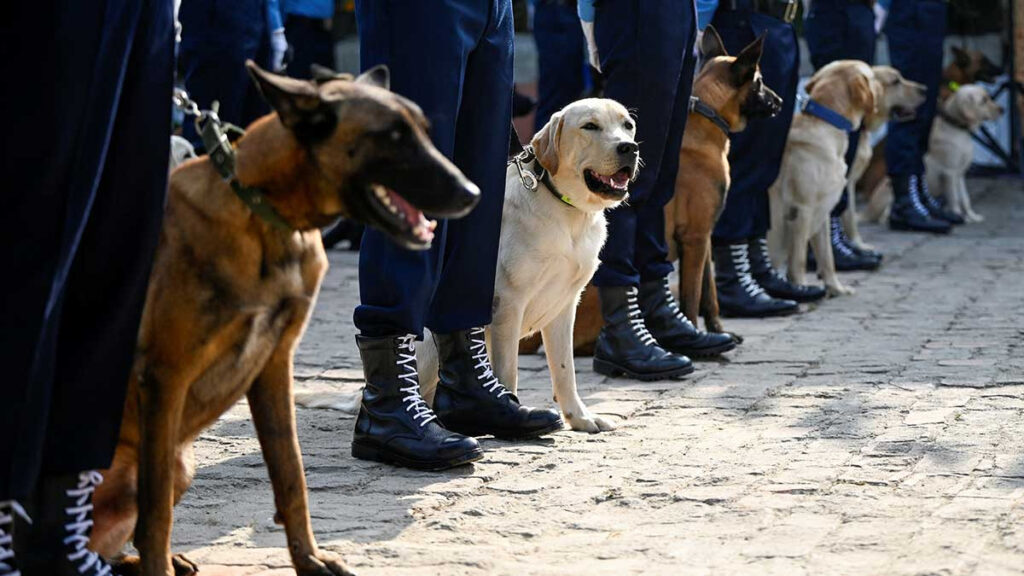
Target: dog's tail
427,363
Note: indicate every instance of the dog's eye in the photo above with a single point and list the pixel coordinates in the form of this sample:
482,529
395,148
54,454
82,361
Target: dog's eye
590,126
628,125
395,135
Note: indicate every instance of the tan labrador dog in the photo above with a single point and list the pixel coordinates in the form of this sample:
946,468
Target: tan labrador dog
551,236
951,149
813,172
899,102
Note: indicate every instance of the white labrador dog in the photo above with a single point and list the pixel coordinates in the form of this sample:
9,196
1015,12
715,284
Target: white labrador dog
951,149
813,172
552,229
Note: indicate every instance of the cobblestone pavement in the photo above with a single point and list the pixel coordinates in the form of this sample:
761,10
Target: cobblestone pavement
875,434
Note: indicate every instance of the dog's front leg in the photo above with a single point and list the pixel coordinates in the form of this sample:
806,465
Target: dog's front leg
849,218
558,345
821,243
965,200
162,402
273,412
798,234
691,275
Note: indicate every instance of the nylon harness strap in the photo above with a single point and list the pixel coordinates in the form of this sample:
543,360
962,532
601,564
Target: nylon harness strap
222,155
828,115
698,106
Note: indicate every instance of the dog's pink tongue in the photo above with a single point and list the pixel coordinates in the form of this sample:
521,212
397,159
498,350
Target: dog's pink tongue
411,214
620,179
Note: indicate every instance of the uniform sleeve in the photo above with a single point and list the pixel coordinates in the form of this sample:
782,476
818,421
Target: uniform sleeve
585,8
705,12
274,20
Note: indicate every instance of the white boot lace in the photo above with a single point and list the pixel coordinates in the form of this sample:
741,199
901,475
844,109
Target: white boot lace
762,247
839,241
915,196
673,305
81,523
478,345
414,402
636,317
741,259
7,511
925,195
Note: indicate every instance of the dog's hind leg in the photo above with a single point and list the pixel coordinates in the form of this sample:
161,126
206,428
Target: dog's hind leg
709,300
272,404
965,200
798,228
558,345
849,219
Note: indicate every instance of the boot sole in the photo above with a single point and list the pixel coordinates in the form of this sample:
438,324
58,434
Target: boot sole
507,435
899,227
706,352
375,453
609,369
769,314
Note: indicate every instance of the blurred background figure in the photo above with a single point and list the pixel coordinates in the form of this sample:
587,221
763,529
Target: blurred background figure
308,26
216,39
915,30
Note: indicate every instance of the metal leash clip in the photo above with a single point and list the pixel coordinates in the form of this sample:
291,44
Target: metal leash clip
182,102
529,178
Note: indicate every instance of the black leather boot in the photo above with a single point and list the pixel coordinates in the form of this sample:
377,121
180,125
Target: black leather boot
739,295
672,329
773,282
932,204
625,346
908,213
55,542
847,258
470,400
8,564
395,425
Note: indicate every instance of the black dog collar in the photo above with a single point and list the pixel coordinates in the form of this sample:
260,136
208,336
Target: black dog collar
531,179
697,106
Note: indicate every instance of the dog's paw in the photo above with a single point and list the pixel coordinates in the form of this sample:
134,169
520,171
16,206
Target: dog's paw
974,217
838,289
183,566
591,423
323,563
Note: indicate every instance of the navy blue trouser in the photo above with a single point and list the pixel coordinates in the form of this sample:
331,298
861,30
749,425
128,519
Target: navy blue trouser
646,49
311,43
85,151
841,30
217,38
454,59
561,57
755,155
915,30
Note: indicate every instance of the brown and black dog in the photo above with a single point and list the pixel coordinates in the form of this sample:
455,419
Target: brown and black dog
967,67
731,89
230,295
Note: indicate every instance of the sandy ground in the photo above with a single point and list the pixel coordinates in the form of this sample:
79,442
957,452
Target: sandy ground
875,434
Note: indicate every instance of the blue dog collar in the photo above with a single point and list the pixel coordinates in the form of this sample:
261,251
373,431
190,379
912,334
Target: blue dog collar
828,115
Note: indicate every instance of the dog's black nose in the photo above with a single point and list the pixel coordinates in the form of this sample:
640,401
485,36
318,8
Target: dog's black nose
627,148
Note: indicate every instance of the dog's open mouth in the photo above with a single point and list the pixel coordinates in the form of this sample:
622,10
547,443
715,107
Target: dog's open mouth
406,224
614,186
902,114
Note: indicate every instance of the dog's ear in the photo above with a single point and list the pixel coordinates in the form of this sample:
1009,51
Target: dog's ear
378,76
545,143
961,58
711,45
297,102
745,65
861,94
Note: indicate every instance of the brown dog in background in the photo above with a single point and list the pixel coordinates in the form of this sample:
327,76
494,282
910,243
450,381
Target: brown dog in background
230,295
729,89
967,67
